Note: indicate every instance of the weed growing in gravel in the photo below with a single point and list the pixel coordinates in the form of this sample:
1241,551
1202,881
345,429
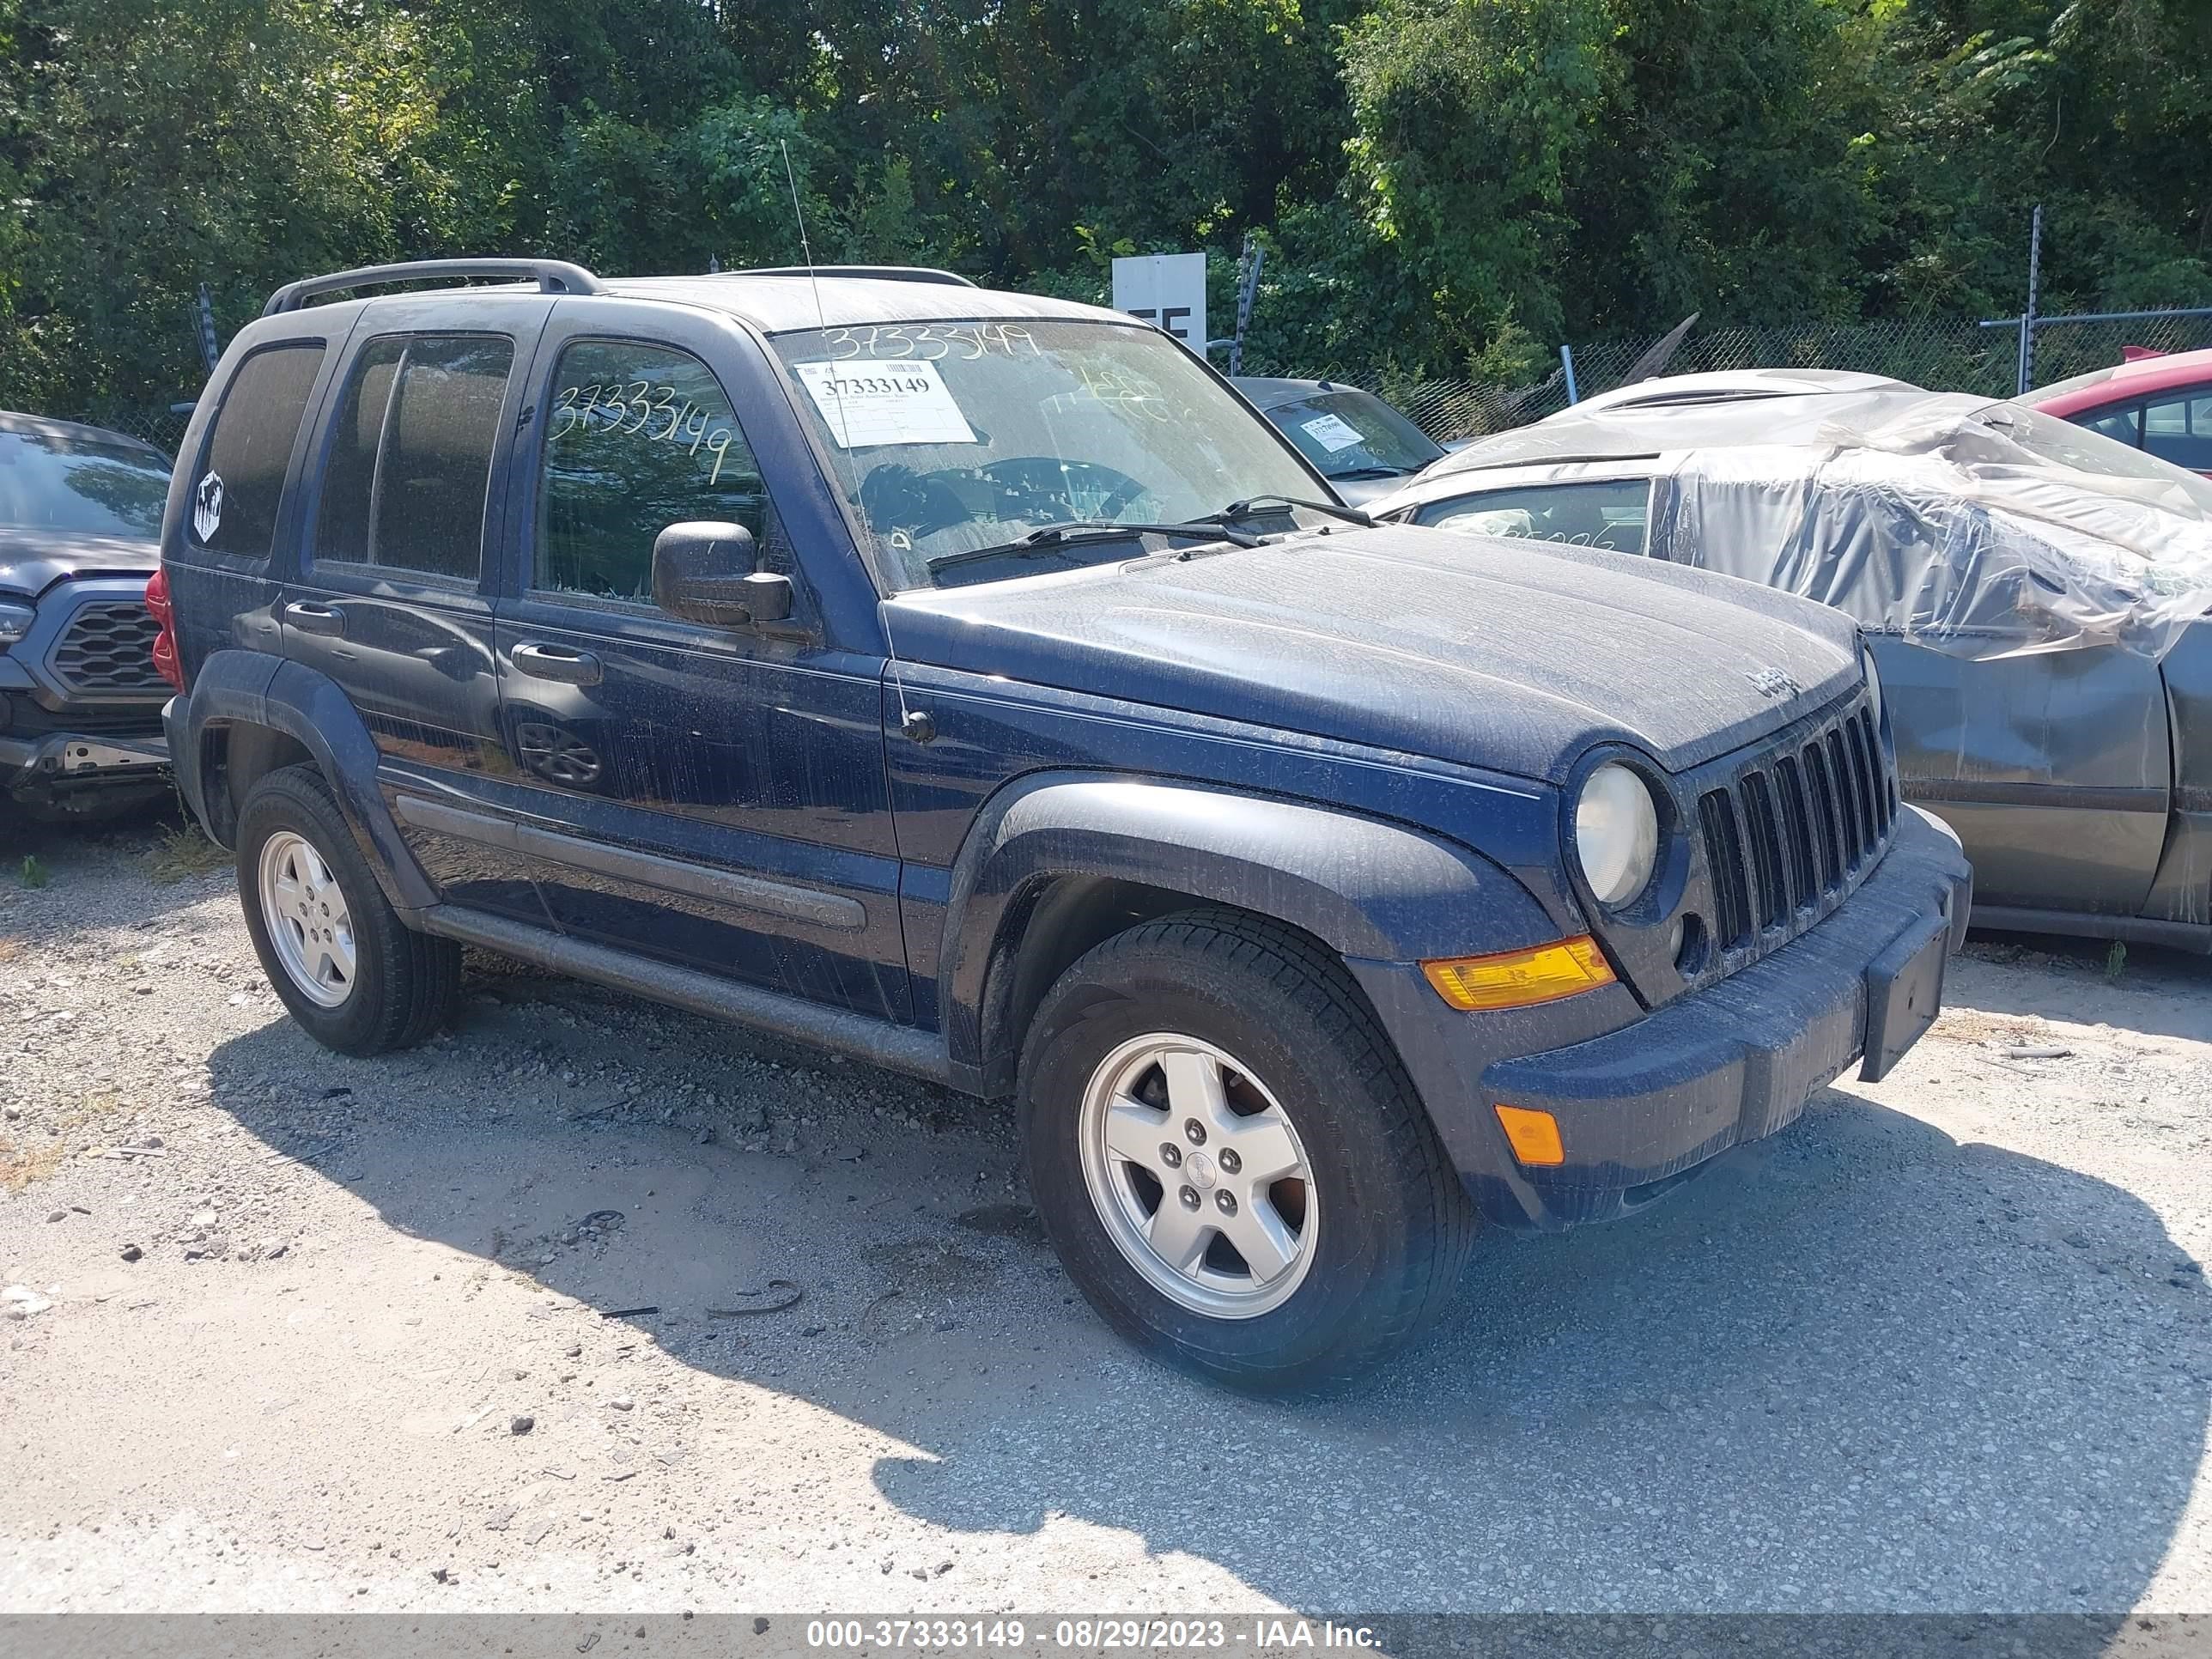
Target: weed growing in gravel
184,851
33,873
22,1165
2115,960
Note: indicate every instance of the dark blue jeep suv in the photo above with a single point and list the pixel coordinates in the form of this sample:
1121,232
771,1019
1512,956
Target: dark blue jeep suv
973,683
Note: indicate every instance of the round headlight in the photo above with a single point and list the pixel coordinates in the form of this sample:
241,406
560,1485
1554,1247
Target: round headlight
1873,683
1616,833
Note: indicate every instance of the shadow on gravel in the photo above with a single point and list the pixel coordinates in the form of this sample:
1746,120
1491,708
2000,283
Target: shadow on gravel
1861,1368
2157,991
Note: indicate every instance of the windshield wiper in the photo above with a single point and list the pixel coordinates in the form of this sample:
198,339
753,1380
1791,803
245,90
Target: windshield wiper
1239,512
1076,531
1375,471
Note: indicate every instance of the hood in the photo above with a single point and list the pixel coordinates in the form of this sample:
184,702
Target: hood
1515,656
1359,492
31,561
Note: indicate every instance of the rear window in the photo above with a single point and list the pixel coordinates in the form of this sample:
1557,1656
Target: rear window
81,485
1351,433
241,477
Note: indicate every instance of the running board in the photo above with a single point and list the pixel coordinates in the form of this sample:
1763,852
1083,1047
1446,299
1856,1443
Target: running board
895,1047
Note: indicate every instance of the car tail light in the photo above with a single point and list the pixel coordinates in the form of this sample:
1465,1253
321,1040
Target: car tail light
165,642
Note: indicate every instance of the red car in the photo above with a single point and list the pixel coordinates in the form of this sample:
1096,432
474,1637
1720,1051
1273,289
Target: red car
2155,401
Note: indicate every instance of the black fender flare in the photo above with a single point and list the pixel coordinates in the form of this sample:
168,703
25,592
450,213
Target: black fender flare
251,688
1365,887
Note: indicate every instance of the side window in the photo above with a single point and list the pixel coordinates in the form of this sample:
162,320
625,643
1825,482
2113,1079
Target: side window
2122,424
639,437
241,476
2179,430
409,464
1608,513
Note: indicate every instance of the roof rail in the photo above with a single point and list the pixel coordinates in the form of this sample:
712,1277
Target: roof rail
553,276
883,273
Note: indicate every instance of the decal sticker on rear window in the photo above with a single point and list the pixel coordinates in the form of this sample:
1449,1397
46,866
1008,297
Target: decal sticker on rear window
206,507
884,403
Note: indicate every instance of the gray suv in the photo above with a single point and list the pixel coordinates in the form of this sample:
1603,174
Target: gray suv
80,696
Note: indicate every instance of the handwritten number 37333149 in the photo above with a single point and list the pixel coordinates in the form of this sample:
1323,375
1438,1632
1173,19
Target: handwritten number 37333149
633,409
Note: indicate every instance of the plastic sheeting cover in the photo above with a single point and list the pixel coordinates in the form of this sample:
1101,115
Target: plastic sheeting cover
1977,529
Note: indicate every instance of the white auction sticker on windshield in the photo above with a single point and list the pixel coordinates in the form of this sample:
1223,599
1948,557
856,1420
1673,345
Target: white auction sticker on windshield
901,401
1333,433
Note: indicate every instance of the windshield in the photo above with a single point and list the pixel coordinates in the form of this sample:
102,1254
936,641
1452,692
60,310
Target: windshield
56,481
2087,451
951,437
1351,433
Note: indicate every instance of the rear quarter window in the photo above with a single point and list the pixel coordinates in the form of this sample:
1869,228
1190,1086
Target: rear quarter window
241,481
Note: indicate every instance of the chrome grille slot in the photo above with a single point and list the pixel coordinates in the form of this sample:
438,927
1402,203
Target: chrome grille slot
1773,903
1723,853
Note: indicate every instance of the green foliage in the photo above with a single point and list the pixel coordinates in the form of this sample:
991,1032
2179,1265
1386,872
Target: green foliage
1443,186
32,873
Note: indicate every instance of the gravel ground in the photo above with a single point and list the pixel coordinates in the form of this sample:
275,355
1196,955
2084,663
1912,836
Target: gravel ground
349,1334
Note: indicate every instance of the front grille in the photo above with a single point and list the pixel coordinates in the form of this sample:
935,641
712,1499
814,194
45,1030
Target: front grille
1790,835
108,647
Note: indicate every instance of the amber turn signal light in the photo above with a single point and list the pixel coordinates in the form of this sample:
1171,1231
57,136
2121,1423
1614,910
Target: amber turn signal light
1514,979
1533,1135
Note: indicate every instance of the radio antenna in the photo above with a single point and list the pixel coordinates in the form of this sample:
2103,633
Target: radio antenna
806,248
906,722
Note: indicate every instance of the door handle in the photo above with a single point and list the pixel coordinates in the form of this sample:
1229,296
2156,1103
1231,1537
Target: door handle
558,662
326,620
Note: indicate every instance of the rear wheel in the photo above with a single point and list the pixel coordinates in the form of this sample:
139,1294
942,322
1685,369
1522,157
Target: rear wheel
1230,1158
333,948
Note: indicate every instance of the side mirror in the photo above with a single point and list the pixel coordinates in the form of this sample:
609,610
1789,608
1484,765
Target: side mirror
703,572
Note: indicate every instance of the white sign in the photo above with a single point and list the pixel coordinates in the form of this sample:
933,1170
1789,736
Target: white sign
1167,290
904,401
1333,433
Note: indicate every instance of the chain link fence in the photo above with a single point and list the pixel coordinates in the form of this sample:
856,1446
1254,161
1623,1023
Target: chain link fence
159,427
1943,354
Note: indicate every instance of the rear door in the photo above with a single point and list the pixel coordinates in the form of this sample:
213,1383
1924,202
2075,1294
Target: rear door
394,597
713,796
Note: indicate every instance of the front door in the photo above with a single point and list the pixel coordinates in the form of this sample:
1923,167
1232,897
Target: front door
2055,769
713,796
393,602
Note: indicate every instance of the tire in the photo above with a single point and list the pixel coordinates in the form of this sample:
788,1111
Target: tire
1378,1224
366,983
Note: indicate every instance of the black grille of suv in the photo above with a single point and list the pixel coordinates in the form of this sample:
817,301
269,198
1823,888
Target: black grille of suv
1789,837
109,647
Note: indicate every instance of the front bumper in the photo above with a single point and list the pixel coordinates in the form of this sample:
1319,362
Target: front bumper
58,761
1643,1104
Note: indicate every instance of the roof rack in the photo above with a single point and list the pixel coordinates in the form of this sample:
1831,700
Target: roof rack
552,276
882,273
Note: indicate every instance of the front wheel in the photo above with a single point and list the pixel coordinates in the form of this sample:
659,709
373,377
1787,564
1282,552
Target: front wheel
1230,1158
357,979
